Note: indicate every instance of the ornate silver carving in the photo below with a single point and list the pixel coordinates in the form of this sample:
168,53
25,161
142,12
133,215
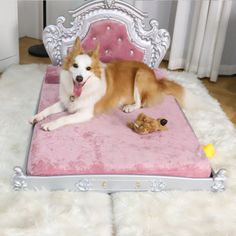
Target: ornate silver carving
219,181
19,179
83,185
55,36
109,3
157,186
154,42
159,39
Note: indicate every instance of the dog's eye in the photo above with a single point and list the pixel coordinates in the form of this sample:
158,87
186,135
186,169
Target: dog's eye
75,65
88,68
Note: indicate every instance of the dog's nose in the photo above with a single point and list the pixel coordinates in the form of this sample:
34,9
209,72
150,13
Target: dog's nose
79,78
163,122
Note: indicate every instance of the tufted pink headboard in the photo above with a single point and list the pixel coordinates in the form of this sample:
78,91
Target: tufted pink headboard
114,41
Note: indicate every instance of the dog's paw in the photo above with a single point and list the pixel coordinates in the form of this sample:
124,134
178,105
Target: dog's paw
129,108
49,126
35,119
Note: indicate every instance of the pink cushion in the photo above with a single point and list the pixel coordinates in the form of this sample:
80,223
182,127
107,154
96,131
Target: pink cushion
105,145
114,41
52,74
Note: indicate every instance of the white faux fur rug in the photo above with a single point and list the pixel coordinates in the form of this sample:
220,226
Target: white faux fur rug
132,214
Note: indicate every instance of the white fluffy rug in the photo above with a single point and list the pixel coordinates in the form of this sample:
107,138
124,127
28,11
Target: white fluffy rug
123,214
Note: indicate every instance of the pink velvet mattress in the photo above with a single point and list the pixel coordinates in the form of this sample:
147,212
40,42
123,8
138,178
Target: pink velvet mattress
105,145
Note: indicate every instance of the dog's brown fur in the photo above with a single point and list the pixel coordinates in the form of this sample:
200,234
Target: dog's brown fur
121,76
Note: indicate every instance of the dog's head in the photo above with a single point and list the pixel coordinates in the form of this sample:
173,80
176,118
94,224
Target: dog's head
83,67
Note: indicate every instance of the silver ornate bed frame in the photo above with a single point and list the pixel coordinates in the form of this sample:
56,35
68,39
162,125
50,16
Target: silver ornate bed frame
155,43
117,183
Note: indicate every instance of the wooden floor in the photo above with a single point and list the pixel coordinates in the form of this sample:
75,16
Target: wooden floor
224,90
25,57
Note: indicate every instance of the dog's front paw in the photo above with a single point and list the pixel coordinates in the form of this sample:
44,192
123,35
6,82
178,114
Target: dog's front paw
129,108
49,126
35,119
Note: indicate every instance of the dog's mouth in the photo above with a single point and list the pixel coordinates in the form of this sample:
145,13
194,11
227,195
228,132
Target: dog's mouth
77,88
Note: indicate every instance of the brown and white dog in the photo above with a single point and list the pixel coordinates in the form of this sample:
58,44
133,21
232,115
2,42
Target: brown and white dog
89,87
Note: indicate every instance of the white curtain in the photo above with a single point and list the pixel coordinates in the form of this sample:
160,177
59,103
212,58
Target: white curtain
199,35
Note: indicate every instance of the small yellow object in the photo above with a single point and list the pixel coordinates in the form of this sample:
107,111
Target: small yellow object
209,150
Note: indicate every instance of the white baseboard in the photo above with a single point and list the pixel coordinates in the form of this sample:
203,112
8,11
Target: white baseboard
8,61
227,70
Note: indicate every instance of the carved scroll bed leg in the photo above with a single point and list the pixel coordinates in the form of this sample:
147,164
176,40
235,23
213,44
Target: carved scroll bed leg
219,181
19,179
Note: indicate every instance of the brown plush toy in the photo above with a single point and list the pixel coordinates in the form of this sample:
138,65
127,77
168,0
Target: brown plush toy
145,124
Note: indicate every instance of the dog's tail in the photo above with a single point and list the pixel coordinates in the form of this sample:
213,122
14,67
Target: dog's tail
186,98
168,87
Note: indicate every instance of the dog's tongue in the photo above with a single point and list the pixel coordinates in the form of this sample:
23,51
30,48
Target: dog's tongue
77,89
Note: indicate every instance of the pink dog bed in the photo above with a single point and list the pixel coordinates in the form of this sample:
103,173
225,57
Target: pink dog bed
105,145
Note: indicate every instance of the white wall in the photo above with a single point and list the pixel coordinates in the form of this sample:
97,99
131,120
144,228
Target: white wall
30,13
9,50
30,20
228,62
60,8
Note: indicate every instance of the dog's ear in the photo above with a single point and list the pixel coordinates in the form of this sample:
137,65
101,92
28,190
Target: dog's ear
77,48
74,51
95,52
